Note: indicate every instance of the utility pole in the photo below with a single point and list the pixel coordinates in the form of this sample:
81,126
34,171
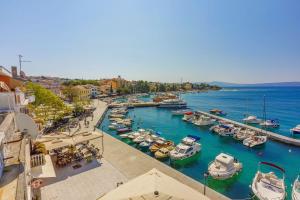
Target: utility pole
21,61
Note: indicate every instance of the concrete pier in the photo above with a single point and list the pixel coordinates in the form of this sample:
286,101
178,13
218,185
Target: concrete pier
271,135
142,104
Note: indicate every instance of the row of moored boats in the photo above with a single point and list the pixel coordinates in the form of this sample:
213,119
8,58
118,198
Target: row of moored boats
249,137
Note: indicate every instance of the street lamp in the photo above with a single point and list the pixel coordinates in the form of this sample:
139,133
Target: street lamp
206,174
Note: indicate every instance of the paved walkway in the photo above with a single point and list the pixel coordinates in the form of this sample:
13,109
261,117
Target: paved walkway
88,182
131,162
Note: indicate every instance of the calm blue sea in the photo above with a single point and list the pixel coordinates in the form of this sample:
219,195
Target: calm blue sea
282,103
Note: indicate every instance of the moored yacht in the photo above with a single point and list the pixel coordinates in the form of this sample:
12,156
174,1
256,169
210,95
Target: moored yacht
251,120
270,123
224,167
187,148
296,130
172,103
204,121
296,189
267,186
255,140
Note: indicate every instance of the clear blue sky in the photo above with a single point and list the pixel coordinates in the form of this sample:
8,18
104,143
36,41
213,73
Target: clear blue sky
226,40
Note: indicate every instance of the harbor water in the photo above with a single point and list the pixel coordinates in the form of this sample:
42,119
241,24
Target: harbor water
282,103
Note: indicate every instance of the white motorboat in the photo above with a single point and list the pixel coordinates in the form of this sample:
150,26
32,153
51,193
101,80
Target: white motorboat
267,186
124,135
270,123
186,149
224,167
296,130
296,189
251,120
115,126
188,116
204,121
255,140
172,103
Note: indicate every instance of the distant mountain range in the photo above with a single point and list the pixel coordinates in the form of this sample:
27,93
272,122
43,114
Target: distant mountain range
278,84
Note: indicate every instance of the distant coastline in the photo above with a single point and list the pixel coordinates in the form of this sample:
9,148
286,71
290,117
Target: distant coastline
275,84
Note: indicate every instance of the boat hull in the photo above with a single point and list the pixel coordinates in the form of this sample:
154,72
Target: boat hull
185,160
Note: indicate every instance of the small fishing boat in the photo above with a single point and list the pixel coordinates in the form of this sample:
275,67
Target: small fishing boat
116,116
124,135
224,167
188,116
119,111
267,186
133,135
270,123
180,112
161,143
255,140
115,125
243,134
123,130
296,189
251,120
163,153
115,119
187,148
204,121
224,129
139,139
296,130
145,144
218,112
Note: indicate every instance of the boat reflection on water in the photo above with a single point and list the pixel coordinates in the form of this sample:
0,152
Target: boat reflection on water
189,162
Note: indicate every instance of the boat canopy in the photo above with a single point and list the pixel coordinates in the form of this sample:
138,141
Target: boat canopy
158,133
196,138
225,159
189,113
273,165
225,126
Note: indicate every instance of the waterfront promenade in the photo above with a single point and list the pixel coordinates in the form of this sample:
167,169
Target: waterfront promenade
132,163
271,135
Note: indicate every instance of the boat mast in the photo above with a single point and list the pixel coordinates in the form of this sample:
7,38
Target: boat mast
264,114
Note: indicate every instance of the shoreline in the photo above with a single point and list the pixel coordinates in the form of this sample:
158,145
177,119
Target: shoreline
132,162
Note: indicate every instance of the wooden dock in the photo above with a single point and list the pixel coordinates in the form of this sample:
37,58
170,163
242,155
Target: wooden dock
271,135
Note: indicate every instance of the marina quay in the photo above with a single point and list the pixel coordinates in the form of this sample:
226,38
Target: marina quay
164,145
